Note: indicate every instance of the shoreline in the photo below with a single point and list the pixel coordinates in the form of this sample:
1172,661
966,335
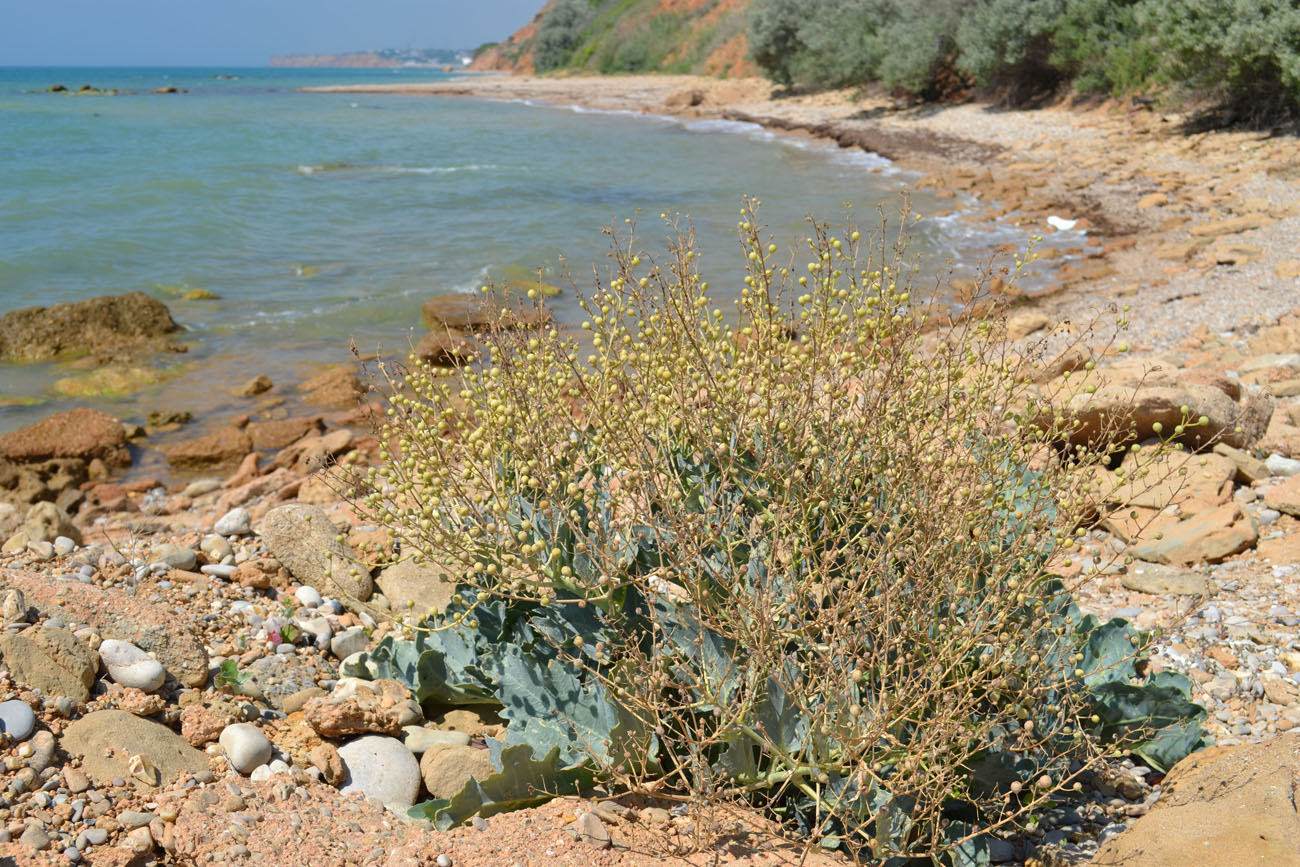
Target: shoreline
1189,229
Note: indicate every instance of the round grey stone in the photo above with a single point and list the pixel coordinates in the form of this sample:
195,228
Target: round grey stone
382,769
17,719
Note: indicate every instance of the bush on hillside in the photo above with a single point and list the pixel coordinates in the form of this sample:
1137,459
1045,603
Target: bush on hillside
794,553
1008,43
559,33
1245,52
1102,46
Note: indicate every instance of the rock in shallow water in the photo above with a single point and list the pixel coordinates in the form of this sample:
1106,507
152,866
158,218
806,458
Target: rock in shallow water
382,769
131,666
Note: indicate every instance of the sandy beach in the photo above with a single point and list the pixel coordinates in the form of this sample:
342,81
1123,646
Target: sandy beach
1194,230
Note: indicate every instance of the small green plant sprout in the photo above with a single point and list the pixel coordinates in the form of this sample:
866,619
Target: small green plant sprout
789,547
230,677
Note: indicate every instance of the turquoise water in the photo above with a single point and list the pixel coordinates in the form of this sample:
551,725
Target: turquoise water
319,218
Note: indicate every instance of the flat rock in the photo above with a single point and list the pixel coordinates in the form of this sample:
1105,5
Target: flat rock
1209,537
1230,806
106,741
132,322
221,449
304,541
1285,497
382,769
113,614
281,432
80,433
1160,580
50,659
1248,468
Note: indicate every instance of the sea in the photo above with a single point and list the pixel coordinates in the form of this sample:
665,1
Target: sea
319,221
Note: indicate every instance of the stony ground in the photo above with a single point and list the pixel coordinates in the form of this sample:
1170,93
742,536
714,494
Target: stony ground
170,689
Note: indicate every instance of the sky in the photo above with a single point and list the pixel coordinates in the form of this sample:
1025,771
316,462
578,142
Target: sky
241,32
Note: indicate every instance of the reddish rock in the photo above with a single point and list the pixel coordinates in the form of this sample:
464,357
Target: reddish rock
314,453
202,725
326,758
222,448
278,434
365,711
86,434
250,576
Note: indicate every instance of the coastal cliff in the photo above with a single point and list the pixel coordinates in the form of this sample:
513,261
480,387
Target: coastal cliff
699,36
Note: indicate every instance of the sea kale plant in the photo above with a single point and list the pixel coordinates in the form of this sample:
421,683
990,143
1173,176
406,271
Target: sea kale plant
794,551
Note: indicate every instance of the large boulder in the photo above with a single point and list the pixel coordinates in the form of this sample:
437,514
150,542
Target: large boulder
1227,806
306,543
133,322
110,744
80,433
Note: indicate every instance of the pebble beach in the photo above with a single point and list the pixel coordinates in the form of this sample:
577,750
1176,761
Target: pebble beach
174,682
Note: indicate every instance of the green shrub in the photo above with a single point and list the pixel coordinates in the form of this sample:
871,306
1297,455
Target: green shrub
795,555
559,33
774,37
1246,52
1008,43
1101,46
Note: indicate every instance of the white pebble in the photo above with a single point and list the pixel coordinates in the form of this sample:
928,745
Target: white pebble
131,666
236,522
245,746
308,597
1280,466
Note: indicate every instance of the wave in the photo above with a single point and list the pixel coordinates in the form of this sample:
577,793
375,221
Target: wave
307,170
